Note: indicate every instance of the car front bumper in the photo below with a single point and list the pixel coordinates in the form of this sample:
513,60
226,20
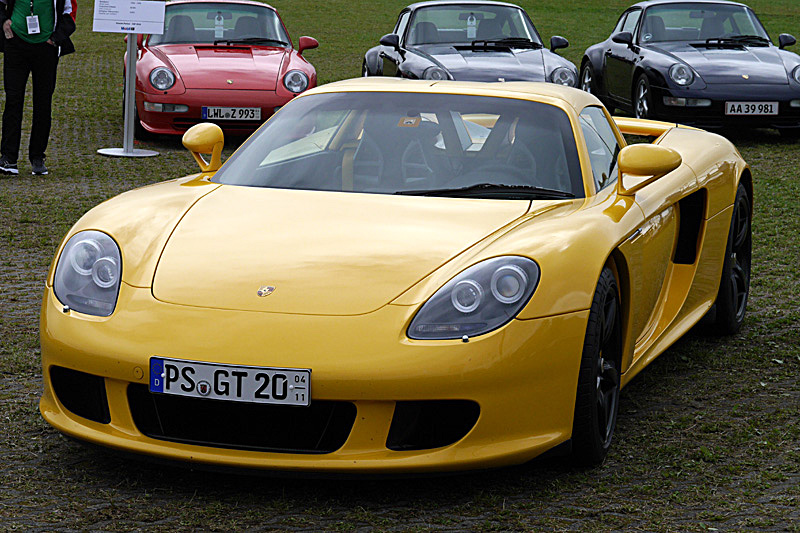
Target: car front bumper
523,377
170,123
714,116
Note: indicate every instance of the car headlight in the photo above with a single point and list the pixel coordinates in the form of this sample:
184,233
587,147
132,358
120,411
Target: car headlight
435,73
681,74
162,78
563,76
796,74
88,273
478,300
296,81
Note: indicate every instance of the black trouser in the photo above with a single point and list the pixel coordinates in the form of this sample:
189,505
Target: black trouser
22,58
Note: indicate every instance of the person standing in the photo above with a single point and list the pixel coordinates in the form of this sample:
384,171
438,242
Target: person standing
35,34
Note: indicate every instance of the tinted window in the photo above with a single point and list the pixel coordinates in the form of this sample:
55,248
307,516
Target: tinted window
209,22
698,22
467,23
620,22
392,142
602,146
631,21
402,22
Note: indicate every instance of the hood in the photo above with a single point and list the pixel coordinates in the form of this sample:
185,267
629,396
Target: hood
210,67
727,65
325,253
489,65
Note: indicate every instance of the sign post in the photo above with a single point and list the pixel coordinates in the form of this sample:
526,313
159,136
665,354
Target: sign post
131,17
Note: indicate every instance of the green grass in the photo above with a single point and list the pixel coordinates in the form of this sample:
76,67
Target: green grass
708,437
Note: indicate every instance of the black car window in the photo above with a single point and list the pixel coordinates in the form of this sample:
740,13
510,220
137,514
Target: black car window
620,23
412,143
631,21
462,24
206,22
402,23
602,146
699,22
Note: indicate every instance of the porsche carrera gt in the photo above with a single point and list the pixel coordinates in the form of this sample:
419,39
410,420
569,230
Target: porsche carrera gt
395,276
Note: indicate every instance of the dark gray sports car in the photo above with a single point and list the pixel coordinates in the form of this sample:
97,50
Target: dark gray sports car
708,63
468,41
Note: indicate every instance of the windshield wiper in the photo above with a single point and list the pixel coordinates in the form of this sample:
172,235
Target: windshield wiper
738,39
495,190
251,40
510,42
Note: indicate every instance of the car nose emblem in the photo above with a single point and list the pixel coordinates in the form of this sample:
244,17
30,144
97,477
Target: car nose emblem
264,291
230,82
746,76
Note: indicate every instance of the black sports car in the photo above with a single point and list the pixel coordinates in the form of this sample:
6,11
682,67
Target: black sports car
468,41
708,63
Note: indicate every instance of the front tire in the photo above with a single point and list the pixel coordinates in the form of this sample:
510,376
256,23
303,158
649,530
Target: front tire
597,397
734,285
642,98
364,69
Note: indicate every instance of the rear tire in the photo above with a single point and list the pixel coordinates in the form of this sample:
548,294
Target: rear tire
734,285
597,397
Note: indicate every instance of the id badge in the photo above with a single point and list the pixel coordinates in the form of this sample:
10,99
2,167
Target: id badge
33,24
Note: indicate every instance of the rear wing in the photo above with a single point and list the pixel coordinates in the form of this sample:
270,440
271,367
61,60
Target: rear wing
647,128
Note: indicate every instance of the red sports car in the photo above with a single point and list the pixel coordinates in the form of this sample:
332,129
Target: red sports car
223,61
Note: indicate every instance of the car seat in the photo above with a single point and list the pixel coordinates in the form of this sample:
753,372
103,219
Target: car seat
489,29
425,33
712,28
247,27
654,29
181,30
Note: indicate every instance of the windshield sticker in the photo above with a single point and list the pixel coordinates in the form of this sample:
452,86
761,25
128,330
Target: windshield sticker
472,26
409,122
219,26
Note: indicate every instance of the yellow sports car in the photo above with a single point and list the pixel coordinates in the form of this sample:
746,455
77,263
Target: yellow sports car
395,276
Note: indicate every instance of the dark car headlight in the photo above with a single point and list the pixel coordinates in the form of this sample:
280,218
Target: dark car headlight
681,74
296,81
435,73
480,299
563,76
162,78
88,273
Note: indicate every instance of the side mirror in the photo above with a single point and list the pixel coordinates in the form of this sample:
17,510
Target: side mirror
140,41
623,37
205,138
306,43
646,161
785,39
392,40
557,41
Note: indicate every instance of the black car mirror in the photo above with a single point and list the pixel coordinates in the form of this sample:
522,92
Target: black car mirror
623,37
784,40
557,41
391,40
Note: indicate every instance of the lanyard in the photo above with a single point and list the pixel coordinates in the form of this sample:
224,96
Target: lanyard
31,7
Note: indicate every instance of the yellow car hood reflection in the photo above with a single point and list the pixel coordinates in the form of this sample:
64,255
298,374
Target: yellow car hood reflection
238,239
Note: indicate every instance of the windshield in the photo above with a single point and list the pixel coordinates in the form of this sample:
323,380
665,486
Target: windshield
206,23
462,24
396,143
700,22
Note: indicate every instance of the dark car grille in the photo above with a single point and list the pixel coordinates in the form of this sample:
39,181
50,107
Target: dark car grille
431,424
322,427
80,393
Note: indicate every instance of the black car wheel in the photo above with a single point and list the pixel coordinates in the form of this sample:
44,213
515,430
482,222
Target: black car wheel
597,398
734,286
587,79
642,99
364,69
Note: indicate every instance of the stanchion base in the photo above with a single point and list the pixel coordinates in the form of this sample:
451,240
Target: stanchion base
121,152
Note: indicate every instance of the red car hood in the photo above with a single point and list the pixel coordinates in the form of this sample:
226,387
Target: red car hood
226,67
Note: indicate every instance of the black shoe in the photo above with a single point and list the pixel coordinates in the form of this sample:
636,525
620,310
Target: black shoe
37,167
8,167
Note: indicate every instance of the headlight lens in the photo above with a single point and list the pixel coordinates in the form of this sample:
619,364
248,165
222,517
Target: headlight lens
563,76
796,74
88,273
162,78
478,300
296,81
681,74
434,73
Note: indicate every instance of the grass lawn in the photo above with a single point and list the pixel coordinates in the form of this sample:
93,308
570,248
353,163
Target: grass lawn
708,437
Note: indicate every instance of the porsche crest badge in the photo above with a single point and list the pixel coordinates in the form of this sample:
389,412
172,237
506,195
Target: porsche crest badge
265,290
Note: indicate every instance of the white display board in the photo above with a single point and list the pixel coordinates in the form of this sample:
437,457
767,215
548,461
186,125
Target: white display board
129,16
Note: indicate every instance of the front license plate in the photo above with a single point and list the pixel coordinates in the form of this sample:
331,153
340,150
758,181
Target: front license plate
232,113
254,384
751,108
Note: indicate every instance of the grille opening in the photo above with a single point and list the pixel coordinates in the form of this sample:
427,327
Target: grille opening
322,427
430,424
692,213
81,393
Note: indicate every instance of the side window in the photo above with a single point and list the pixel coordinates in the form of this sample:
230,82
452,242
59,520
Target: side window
620,23
632,21
602,146
402,22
